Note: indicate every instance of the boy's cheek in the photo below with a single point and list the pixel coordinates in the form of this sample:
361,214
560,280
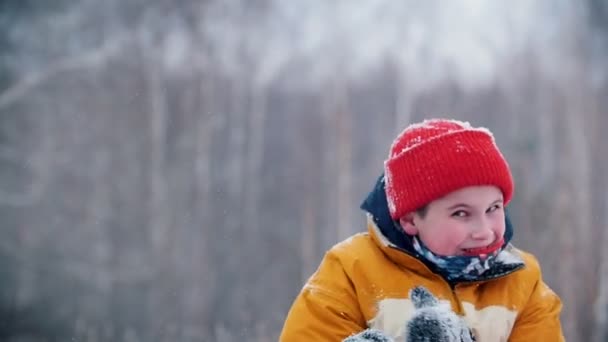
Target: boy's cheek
500,227
443,246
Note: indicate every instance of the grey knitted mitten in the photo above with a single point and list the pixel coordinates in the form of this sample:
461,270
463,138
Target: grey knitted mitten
369,335
433,321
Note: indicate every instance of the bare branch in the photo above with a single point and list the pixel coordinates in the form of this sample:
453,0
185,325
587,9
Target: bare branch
89,59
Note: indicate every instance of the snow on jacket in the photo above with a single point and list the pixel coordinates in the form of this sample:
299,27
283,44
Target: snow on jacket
363,282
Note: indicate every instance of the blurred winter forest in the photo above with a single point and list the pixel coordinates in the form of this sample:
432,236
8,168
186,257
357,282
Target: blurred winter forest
175,170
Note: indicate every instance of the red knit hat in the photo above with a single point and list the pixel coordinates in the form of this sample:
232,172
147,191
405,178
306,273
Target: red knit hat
430,159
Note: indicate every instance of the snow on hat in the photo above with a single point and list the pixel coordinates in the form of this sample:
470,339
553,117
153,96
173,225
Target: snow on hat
430,159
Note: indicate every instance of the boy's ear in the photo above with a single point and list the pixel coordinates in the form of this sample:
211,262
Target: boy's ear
407,222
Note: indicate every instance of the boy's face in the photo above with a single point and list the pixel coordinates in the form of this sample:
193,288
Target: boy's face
464,222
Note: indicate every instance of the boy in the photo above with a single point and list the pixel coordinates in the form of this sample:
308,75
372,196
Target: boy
436,222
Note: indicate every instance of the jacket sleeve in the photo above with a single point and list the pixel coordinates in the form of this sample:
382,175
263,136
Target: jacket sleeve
327,308
540,318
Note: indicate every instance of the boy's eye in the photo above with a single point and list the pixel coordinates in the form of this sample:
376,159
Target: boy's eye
494,208
459,213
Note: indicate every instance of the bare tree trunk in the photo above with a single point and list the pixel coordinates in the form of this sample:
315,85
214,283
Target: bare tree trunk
403,107
343,175
236,170
328,167
573,211
546,153
20,253
580,164
255,156
158,205
562,219
337,160
307,238
206,122
600,309
97,220
599,331
157,130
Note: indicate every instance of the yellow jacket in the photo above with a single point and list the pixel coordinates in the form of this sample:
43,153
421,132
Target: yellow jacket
364,281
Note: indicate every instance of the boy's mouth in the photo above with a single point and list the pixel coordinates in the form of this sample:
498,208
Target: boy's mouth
485,249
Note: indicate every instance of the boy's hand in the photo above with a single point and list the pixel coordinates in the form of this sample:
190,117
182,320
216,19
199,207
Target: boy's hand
433,321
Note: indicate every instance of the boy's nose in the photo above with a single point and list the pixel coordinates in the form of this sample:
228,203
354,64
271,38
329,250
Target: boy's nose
483,231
